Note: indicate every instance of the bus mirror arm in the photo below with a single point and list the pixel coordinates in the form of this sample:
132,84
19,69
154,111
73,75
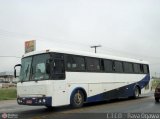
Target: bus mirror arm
15,71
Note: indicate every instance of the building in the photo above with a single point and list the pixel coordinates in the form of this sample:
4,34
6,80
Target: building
7,80
6,77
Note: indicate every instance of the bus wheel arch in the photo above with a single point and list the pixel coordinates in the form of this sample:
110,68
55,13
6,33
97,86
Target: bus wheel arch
78,97
139,88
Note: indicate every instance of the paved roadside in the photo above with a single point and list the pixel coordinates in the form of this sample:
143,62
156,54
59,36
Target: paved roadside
7,102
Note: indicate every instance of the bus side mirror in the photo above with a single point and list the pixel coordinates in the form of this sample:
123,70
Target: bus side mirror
15,71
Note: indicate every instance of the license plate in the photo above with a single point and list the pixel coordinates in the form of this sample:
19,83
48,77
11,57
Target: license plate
29,102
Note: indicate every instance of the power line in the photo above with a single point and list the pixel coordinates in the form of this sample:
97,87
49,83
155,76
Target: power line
8,34
9,56
129,53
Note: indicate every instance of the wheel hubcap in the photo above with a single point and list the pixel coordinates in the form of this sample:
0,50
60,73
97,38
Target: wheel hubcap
78,98
136,92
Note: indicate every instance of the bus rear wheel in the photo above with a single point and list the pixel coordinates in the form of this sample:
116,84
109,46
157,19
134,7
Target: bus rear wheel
49,107
77,99
136,92
157,99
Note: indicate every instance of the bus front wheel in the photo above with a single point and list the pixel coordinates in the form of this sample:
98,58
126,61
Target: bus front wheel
77,99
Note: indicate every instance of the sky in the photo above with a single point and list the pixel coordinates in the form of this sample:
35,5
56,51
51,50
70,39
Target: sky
127,28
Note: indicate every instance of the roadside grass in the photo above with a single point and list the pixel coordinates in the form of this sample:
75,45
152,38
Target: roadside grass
155,82
8,93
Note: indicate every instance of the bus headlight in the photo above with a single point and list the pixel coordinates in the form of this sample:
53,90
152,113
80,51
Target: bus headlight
44,100
40,101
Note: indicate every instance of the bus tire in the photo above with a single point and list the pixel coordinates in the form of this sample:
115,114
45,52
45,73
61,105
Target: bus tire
157,99
49,107
77,99
136,92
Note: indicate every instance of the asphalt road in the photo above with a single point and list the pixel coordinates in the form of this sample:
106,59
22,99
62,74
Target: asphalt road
144,104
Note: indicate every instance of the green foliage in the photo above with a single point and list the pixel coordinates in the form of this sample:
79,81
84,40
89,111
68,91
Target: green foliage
155,82
8,93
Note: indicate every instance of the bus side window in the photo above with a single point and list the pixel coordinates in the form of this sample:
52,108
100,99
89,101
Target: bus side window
75,63
69,65
118,66
93,64
128,67
108,65
78,63
68,62
136,68
146,69
141,68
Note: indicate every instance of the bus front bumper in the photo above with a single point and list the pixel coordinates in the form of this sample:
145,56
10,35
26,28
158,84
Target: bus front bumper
35,101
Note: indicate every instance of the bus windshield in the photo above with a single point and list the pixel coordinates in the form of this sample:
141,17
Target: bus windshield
25,69
34,68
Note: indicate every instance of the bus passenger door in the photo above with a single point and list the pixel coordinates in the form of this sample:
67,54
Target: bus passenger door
57,66
58,75
58,69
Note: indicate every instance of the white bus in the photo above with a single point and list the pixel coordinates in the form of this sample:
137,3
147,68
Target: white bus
56,77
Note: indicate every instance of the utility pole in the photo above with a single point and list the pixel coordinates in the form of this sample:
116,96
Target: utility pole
95,47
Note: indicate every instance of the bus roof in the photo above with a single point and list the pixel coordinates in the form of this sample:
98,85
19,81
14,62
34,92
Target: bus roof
89,54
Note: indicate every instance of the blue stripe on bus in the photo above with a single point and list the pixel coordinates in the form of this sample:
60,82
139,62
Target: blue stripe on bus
122,92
